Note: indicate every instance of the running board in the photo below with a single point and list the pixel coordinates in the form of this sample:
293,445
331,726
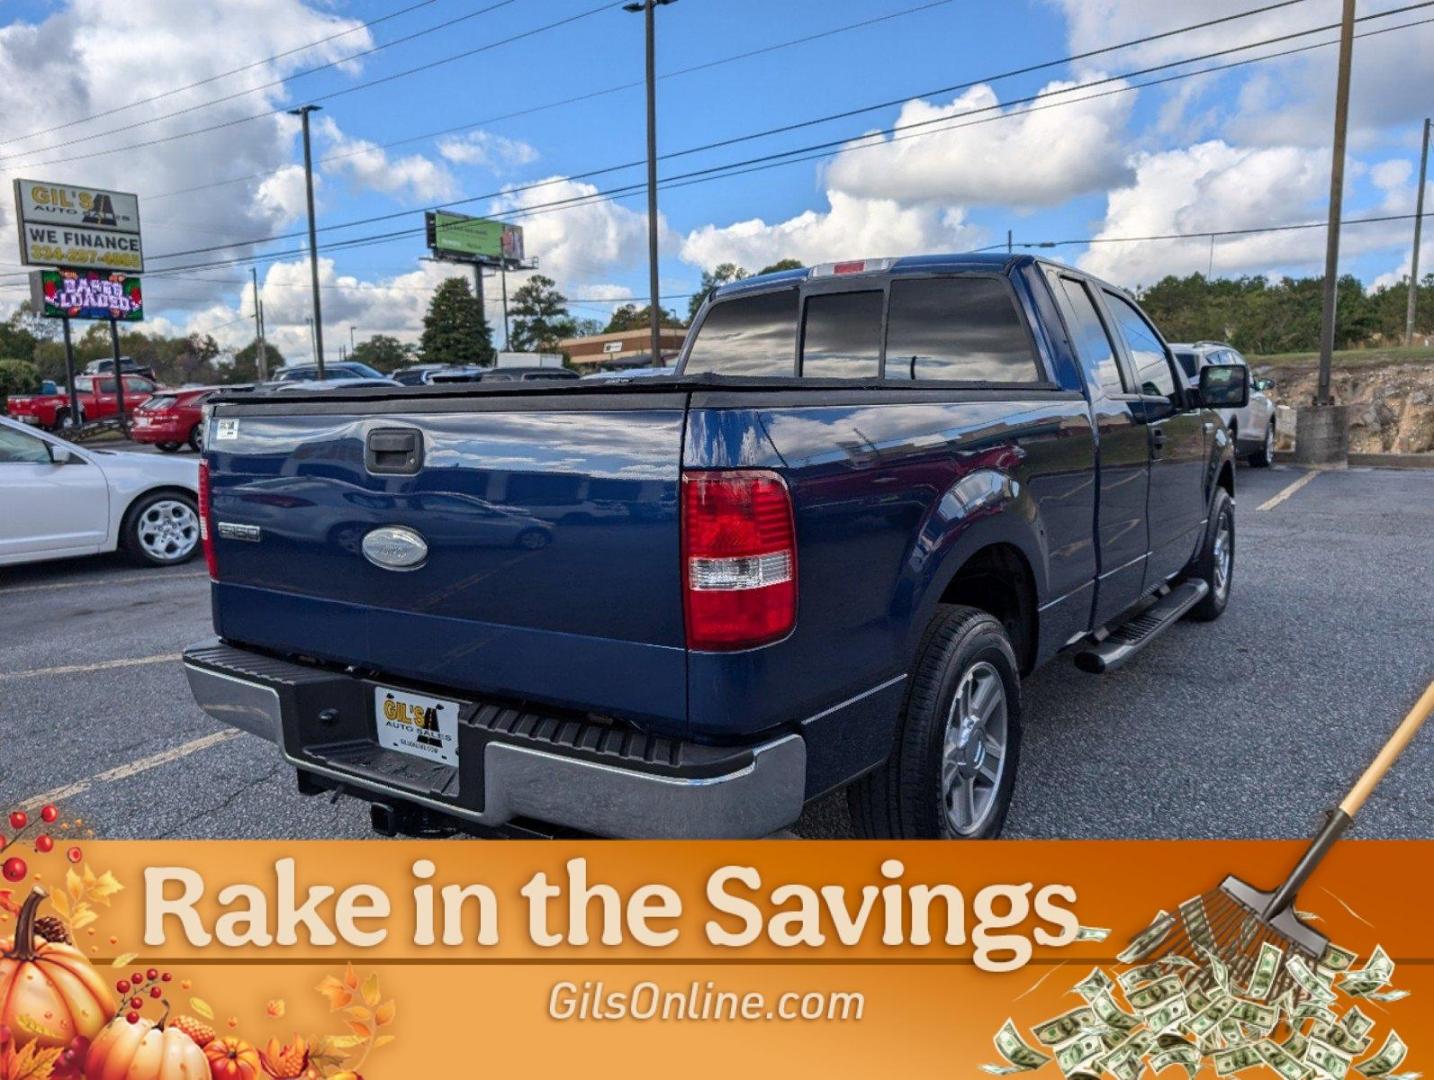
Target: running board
1130,637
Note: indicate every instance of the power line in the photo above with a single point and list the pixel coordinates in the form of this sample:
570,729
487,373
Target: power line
407,72
575,99
222,75
273,82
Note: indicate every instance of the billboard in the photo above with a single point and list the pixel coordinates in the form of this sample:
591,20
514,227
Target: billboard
70,225
86,294
469,239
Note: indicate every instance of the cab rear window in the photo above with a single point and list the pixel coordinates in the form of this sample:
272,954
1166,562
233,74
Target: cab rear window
965,329
750,335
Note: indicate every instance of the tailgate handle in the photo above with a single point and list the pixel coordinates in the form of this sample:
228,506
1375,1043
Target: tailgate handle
394,451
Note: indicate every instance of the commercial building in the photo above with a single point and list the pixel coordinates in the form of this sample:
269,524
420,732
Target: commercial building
626,348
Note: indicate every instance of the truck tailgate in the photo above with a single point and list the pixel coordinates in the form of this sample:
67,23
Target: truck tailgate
550,520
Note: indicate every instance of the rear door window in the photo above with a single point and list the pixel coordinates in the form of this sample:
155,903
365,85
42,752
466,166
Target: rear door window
841,336
1147,352
1092,344
750,335
957,328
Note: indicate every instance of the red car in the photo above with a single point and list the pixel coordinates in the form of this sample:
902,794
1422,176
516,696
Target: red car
172,418
98,401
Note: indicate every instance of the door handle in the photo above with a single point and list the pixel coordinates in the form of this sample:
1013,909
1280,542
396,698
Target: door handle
1157,438
1208,426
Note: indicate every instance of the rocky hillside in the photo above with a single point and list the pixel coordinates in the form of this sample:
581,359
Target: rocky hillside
1393,403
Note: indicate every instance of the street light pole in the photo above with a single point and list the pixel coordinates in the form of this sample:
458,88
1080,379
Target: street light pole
648,8
303,114
1414,259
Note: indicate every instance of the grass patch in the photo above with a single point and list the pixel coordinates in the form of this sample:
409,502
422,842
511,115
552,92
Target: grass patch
1348,358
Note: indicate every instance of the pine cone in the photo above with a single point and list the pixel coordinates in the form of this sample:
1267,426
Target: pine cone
52,929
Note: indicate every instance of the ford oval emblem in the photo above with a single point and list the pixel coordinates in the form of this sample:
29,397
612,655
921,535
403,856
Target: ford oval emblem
395,548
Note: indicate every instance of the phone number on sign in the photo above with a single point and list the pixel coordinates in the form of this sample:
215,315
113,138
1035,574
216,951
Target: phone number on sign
68,256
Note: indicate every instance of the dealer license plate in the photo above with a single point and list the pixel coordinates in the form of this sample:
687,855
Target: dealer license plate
414,724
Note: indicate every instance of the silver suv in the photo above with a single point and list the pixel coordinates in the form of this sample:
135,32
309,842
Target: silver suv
1253,427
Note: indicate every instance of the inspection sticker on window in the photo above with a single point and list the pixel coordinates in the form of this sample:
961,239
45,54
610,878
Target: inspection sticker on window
226,429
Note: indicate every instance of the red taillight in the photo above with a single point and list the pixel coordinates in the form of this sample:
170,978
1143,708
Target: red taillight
739,559
206,528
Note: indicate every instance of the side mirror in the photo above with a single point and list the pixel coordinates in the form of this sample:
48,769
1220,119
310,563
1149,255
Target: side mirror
1264,384
1224,386
60,455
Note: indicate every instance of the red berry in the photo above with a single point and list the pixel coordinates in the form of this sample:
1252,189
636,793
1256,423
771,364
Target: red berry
19,819
74,854
165,977
48,814
132,1017
122,986
152,974
44,845
15,869
155,991
136,1003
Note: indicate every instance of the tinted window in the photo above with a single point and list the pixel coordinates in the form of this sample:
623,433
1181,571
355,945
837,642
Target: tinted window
1147,354
106,386
17,447
1189,363
1092,343
957,328
842,336
752,335
137,385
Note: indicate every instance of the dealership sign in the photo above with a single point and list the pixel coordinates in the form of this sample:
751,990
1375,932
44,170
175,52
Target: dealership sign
86,294
65,225
468,239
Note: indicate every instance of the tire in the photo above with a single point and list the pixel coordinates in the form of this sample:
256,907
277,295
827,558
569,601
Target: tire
911,796
533,539
161,529
168,447
196,438
1208,563
1264,457
62,420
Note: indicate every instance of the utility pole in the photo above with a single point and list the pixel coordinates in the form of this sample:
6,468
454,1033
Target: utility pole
478,294
261,361
352,344
310,320
1414,259
649,8
503,278
303,114
1010,242
1322,432
119,380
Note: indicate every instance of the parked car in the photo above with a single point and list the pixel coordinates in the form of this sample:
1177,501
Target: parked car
415,374
632,373
500,374
171,418
1253,426
877,496
67,500
128,366
345,369
332,383
98,401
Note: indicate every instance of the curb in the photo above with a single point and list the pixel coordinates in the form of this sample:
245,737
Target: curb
1372,461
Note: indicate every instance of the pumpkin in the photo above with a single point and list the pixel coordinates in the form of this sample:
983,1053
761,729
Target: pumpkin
231,1058
49,993
144,1050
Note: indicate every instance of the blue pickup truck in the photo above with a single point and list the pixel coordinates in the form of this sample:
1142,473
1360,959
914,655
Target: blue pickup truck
873,498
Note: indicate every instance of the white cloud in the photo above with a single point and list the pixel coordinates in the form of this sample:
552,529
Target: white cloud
369,166
1213,186
486,150
853,227
1062,151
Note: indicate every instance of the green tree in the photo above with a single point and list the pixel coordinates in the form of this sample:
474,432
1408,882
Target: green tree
540,316
18,376
587,327
711,280
454,330
245,368
383,353
782,264
629,317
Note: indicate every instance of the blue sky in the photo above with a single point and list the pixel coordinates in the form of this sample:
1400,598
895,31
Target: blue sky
1240,149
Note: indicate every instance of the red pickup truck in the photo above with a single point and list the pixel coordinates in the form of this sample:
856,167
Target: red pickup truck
98,401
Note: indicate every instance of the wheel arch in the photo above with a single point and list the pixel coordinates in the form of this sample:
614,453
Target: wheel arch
133,499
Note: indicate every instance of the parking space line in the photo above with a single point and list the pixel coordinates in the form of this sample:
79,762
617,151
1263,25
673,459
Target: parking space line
133,768
1270,504
81,669
99,582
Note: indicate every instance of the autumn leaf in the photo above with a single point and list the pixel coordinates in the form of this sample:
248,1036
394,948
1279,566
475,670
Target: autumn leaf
33,1063
74,885
84,915
123,960
202,1007
384,1014
383,1040
359,1013
351,979
61,903
371,994
363,1031
337,993
102,888
332,1045
276,1008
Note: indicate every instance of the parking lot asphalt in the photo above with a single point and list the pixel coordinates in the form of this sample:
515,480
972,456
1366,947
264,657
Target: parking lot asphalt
1251,726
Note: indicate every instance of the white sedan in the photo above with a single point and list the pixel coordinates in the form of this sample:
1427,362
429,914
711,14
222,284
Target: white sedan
59,500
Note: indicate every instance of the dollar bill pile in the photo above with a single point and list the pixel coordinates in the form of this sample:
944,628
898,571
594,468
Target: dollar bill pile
1194,1011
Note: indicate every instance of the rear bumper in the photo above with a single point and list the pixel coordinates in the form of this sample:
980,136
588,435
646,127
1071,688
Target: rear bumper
514,764
148,430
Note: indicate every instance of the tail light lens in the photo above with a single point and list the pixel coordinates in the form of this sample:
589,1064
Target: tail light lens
206,526
739,559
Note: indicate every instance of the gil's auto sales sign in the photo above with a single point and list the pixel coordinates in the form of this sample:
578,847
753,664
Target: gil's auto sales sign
71,226
86,294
